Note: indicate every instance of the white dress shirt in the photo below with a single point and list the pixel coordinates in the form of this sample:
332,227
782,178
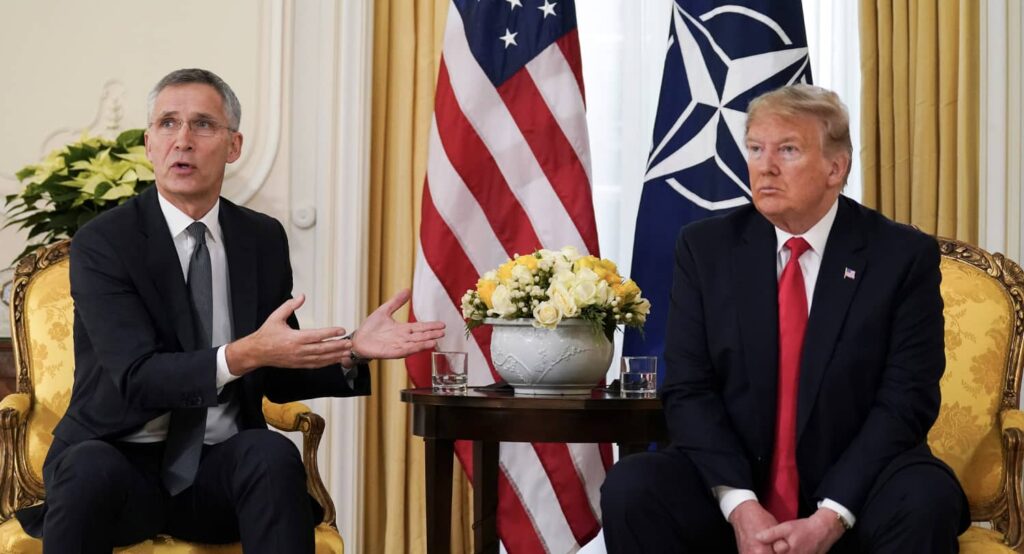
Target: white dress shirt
221,421
810,262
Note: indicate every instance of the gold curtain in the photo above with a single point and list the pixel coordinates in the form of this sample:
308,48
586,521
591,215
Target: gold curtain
406,54
919,129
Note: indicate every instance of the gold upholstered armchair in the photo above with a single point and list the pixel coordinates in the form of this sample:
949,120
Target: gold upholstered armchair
980,430
41,321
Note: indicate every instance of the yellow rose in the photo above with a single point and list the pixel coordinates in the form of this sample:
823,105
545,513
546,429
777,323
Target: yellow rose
505,271
626,291
485,287
546,315
529,261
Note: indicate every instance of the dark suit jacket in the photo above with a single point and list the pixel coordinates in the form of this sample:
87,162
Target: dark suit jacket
873,353
135,352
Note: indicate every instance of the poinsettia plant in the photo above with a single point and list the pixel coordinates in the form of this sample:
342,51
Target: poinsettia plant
77,182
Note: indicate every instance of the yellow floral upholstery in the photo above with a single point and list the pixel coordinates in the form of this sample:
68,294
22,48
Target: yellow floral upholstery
979,428
42,321
49,317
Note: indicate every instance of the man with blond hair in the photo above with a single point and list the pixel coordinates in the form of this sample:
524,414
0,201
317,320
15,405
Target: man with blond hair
804,350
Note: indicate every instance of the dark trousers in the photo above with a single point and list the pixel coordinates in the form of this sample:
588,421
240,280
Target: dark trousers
657,502
251,487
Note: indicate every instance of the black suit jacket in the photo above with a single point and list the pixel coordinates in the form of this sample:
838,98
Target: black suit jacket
873,353
135,352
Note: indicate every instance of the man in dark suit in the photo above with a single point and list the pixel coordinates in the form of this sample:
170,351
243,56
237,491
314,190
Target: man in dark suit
804,351
184,320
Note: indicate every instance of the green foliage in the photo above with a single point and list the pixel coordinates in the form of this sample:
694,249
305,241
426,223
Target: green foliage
76,183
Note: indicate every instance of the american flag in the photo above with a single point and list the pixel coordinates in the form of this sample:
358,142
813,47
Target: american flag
508,172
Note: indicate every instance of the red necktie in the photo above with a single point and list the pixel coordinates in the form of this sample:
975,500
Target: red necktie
784,494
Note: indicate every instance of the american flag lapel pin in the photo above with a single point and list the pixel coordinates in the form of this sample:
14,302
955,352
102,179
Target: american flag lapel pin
849,274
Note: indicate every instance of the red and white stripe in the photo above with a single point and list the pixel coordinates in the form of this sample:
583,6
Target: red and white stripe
508,172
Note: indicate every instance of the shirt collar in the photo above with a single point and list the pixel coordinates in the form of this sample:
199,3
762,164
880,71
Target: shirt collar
816,236
178,220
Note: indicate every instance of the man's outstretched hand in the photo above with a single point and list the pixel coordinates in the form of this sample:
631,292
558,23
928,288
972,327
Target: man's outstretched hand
276,344
380,336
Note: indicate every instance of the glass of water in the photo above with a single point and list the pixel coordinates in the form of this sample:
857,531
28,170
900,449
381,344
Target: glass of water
448,372
639,376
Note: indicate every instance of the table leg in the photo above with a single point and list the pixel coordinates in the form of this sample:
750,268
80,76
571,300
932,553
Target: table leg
485,496
438,462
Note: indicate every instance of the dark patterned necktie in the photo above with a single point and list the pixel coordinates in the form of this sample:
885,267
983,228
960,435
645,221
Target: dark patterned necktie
784,496
188,425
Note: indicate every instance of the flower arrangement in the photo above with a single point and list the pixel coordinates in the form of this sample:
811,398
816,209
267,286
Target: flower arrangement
550,286
76,183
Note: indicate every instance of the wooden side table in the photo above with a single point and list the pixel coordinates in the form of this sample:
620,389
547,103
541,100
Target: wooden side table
490,417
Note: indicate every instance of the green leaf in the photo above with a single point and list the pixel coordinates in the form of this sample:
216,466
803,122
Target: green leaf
27,171
131,137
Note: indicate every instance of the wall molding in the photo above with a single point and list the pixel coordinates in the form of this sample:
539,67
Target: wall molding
239,185
329,198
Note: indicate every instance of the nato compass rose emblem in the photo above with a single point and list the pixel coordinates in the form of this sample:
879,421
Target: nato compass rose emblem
717,62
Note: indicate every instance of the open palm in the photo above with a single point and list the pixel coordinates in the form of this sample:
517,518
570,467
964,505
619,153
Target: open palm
380,336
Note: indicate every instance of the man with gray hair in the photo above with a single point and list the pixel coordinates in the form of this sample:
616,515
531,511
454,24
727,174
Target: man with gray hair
804,350
184,321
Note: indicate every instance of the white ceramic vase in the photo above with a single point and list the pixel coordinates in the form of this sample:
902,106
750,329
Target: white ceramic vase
571,359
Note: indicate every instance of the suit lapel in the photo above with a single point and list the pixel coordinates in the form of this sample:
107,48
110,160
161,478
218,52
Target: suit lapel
841,270
241,257
165,268
755,288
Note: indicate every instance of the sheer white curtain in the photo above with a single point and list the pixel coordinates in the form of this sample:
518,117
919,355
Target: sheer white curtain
623,45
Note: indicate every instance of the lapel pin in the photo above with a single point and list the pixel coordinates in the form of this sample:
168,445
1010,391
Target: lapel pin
849,274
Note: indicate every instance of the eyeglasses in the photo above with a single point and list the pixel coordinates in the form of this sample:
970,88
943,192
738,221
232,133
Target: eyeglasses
200,127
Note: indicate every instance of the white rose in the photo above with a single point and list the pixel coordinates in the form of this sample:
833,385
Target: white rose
585,293
522,274
565,278
587,274
562,262
501,300
563,300
604,294
642,307
570,253
546,315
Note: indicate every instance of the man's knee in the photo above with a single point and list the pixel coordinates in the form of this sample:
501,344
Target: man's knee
89,471
629,483
919,504
929,495
268,453
647,480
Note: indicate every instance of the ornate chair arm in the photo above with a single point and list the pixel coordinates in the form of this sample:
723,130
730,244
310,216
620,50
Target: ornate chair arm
285,416
1012,422
296,416
13,415
14,409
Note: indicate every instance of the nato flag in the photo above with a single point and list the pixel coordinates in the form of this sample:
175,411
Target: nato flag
720,55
